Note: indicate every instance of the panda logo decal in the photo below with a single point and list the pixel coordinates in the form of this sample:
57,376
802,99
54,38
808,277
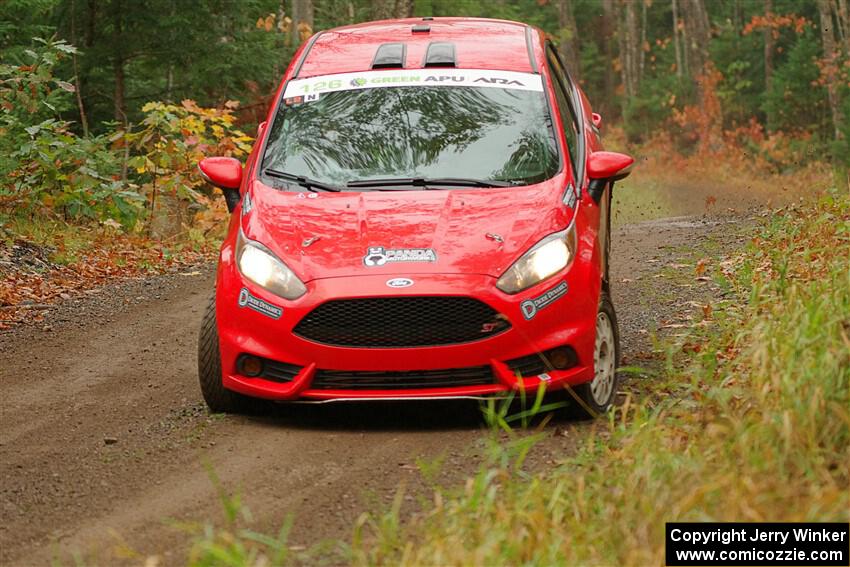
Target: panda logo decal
378,255
375,256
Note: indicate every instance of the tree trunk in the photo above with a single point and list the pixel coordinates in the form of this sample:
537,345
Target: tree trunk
91,21
737,18
697,36
769,46
89,31
568,38
844,23
77,83
382,9
302,19
169,82
629,49
642,52
119,104
608,21
403,8
831,58
676,43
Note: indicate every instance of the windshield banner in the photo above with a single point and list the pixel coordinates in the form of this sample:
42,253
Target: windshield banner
311,88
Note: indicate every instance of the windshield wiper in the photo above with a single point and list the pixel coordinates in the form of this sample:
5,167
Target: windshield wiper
305,182
429,183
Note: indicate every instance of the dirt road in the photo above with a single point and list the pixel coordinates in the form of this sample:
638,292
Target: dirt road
104,438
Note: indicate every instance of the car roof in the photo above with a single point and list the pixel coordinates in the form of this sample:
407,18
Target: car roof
479,44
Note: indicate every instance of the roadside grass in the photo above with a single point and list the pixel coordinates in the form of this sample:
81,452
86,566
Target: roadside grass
751,423
233,544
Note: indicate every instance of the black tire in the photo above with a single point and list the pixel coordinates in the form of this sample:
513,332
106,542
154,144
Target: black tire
585,403
218,398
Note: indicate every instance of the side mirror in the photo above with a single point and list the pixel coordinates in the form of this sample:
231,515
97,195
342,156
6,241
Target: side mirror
226,174
604,168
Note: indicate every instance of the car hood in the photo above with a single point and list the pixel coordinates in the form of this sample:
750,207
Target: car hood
474,231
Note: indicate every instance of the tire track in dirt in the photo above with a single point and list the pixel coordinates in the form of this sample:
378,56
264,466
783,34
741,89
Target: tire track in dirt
104,437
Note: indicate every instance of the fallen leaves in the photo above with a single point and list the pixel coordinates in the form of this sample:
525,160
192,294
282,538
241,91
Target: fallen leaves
31,282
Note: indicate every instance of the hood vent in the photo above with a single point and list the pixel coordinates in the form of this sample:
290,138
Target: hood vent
440,54
390,56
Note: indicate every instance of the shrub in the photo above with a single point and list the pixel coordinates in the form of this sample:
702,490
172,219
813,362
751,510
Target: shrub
46,169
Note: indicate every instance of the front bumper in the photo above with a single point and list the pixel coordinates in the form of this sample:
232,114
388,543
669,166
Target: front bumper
567,321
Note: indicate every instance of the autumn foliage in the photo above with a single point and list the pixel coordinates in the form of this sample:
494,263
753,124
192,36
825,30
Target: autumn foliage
117,189
115,178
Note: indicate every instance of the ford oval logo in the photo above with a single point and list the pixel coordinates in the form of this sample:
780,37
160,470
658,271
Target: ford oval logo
400,282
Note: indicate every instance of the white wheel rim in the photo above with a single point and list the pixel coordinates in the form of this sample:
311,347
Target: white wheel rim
604,360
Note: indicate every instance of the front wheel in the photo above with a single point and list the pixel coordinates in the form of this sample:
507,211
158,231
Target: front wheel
218,398
596,396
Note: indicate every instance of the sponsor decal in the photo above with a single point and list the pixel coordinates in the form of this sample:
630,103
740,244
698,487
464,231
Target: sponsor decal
545,377
400,282
293,100
378,255
259,305
247,205
530,307
307,90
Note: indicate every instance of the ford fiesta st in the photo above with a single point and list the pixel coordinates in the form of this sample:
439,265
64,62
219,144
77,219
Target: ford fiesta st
425,214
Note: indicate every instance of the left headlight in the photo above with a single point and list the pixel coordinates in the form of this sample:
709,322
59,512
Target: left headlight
543,260
258,264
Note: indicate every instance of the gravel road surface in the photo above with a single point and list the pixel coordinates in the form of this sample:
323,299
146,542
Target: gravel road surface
105,441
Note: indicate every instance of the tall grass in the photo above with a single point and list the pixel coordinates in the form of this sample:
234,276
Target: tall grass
757,429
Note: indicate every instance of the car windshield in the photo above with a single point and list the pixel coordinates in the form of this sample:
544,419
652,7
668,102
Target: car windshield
396,134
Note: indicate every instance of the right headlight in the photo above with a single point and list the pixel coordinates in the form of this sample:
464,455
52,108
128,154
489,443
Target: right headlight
258,264
543,260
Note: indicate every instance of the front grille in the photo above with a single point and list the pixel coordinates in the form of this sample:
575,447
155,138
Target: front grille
414,379
395,322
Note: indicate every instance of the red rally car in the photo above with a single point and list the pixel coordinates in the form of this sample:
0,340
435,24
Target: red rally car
425,214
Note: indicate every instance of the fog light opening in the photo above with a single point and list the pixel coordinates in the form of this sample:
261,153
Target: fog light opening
250,366
561,358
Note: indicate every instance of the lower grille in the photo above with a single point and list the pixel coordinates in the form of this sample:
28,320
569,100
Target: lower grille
414,379
279,371
530,365
537,363
397,322
273,370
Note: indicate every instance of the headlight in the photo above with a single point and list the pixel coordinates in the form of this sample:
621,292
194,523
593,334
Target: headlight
260,266
544,259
